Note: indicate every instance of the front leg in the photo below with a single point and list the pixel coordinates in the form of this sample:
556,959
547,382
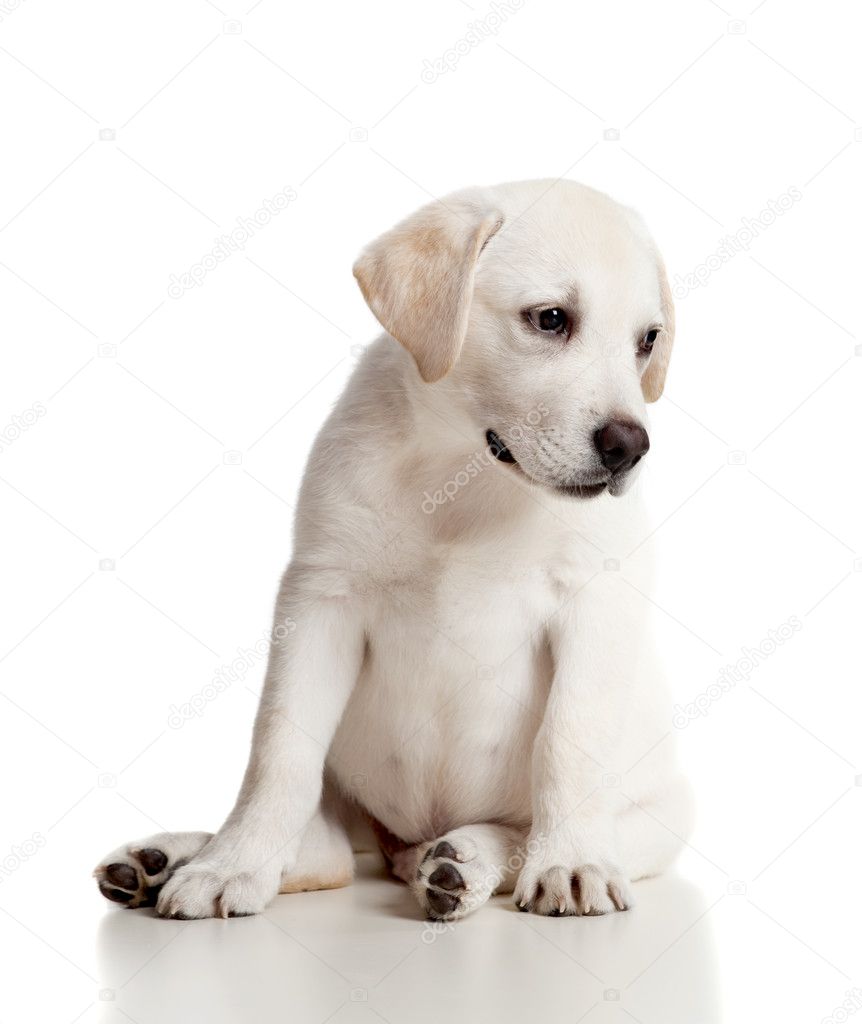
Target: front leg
572,865
315,658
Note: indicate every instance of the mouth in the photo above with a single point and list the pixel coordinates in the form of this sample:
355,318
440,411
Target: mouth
502,454
581,490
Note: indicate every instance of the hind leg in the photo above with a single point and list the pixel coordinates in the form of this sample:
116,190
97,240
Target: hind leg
651,832
455,874
325,858
135,873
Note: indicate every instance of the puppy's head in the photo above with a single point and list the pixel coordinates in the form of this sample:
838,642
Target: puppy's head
546,308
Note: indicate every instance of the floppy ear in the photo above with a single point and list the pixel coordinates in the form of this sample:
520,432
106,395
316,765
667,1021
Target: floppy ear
418,278
652,381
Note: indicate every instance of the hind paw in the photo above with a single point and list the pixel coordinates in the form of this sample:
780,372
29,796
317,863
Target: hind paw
452,880
134,874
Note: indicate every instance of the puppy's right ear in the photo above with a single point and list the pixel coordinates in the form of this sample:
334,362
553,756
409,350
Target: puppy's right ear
418,278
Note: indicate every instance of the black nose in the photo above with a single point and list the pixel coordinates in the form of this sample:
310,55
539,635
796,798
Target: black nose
621,444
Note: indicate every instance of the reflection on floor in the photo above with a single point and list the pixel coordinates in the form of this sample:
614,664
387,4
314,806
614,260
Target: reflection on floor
364,954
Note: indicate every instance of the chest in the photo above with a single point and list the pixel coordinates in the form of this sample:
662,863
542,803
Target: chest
482,601
441,723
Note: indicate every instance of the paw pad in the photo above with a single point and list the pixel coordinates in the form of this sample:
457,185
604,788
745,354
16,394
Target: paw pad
126,882
441,903
153,861
122,875
442,884
115,895
447,877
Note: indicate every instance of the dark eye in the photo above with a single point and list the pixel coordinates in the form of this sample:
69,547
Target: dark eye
648,340
550,321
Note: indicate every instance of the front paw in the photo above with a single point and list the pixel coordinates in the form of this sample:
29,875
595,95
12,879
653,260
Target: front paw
207,889
564,891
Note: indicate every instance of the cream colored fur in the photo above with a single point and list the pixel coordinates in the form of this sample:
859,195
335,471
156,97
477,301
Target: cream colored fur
469,664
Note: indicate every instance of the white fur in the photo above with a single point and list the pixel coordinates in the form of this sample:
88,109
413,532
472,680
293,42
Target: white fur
474,663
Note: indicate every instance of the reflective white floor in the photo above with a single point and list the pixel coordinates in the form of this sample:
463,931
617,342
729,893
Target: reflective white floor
363,954
699,947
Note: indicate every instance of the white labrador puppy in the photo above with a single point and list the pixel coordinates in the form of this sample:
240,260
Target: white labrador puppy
463,661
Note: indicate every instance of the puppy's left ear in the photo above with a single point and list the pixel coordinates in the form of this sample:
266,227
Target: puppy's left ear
652,381
418,278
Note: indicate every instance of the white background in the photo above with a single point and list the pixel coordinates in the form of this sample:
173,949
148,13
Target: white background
168,435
